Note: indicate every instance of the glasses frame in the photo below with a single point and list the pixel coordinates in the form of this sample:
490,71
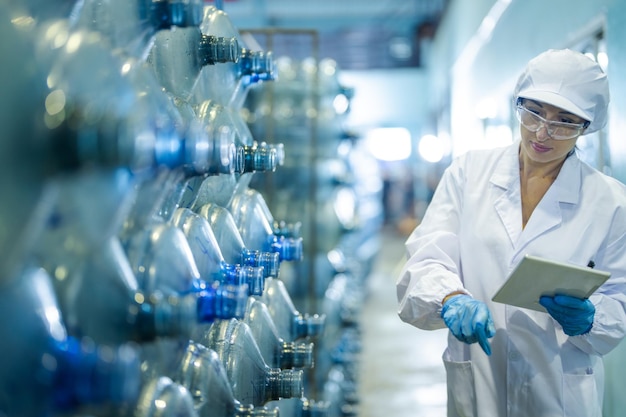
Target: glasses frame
550,125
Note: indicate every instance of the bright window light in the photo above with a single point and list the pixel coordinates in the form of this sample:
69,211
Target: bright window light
389,143
431,149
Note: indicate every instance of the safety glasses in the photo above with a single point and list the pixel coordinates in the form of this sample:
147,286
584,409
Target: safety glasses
556,130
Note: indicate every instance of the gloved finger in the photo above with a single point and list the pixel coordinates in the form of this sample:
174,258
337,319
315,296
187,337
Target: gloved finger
571,302
552,307
490,330
483,340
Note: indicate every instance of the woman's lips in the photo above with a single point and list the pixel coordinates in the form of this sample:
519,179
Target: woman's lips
539,147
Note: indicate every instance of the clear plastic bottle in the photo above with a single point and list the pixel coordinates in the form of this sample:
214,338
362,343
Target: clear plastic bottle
252,380
178,56
42,369
291,324
132,25
208,256
103,301
162,397
229,84
276,351
203,374
231,243
256,225
162,260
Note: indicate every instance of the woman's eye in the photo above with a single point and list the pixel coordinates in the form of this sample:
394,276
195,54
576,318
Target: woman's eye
567,120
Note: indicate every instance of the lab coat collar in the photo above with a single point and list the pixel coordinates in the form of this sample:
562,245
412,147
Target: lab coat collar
565,189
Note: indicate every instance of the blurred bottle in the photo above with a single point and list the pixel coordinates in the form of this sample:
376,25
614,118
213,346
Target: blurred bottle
42,370
256,225
229,84
277,352
291,324
161,397
302,407
252,380
131,25
178,56
104,302
161,259
203,374
231,243
208,256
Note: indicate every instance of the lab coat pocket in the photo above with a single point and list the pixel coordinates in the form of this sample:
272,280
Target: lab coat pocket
461,390
580,396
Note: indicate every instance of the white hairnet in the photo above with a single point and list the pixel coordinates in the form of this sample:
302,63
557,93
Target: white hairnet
569,80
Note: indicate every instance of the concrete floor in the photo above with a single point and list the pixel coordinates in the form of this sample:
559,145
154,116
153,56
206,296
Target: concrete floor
401,373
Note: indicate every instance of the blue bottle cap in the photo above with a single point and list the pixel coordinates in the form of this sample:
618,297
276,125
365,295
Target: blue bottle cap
87,374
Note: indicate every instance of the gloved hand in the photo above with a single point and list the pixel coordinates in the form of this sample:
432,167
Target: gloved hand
469,320
575,315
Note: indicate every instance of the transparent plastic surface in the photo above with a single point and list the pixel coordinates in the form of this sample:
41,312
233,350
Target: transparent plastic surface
202,242
132,24
256,225
252,380
178,56
291,324
231,243
276,351
42,370
162,260
202,373
102,300
161,397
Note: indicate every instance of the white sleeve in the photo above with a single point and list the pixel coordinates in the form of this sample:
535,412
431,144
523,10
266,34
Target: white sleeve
432,270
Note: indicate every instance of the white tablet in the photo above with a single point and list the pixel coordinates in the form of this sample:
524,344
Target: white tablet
535,276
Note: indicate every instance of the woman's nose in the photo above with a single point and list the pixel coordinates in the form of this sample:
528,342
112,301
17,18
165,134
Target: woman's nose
542,133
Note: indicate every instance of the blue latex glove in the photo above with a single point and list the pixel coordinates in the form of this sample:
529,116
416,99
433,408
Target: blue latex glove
469,320
575,315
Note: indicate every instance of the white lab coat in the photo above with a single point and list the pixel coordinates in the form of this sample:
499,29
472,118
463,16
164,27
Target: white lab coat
470,239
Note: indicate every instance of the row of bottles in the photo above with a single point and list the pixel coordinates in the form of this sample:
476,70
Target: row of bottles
140,272
338,198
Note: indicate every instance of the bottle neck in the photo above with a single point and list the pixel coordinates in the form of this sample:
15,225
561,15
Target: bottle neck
222,301
296,355
214,49
285,383
308,326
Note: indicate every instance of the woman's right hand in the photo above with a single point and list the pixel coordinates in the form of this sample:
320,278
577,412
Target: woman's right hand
469,320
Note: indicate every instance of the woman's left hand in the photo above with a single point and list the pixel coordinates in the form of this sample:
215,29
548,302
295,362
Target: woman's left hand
575,315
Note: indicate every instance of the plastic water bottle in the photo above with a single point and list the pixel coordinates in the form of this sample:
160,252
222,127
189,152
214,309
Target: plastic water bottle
103,301
177,57
276,351
291,324
132,25
162,260
162,397
256,225
42,370
202,373
252,380
231,243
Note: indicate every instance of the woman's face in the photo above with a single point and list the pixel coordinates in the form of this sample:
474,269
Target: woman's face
539,146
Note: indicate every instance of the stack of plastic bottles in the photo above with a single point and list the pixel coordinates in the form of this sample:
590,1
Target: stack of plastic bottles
140,274
338,199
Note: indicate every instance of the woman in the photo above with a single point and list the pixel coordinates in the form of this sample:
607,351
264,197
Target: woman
490,209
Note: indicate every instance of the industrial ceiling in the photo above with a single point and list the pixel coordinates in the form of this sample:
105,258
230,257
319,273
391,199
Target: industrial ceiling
358,34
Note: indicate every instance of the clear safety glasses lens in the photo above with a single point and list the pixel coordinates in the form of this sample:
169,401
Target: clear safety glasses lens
556,130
